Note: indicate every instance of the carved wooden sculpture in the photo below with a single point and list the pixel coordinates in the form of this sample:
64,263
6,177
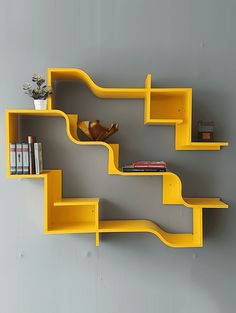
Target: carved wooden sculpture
94,130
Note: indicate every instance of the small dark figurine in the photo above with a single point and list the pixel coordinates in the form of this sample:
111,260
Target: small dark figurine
96,131
205,130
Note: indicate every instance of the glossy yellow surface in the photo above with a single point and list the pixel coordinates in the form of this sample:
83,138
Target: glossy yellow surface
162,106
81,215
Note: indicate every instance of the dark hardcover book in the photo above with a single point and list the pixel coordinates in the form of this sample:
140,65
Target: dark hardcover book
31,141
19,159
12,158
133,169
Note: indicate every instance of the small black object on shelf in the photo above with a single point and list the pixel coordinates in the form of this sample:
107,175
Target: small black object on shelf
145,166
205,130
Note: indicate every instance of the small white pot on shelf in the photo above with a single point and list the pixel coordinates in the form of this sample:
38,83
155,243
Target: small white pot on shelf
40,104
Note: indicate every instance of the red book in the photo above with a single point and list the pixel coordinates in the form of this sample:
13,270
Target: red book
149,164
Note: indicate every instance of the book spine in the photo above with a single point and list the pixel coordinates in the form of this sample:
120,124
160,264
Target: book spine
150,163
19,159
31,159
25,148
38,157
144,170
12,158
149,166
41,157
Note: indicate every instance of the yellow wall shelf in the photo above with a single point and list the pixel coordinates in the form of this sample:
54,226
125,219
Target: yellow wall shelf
81,215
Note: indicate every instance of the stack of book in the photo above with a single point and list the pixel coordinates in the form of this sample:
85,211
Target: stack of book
145,166
26,158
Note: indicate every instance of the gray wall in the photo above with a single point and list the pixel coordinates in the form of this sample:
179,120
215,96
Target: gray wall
182,43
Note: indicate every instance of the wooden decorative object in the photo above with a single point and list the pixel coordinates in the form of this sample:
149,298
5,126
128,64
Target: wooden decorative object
96,131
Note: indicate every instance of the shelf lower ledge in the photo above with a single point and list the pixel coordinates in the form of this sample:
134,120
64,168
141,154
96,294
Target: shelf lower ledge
202,146
76,202
72,228
173,240
163,121
206,203
21,176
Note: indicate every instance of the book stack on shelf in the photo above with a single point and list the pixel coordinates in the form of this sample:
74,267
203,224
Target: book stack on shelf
145,166
26,158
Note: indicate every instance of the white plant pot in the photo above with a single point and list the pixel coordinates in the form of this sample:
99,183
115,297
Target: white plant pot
40,104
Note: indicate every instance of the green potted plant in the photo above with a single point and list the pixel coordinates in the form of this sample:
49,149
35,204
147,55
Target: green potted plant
40,92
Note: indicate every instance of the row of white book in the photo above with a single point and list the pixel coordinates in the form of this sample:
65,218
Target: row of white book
26,158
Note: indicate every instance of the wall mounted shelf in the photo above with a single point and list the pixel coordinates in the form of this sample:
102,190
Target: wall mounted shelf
81,215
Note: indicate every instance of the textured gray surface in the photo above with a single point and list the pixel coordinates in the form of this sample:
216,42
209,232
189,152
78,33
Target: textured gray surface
182,43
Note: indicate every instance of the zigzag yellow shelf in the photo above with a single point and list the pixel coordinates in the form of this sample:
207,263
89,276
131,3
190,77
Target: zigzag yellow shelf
162,106
81,215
